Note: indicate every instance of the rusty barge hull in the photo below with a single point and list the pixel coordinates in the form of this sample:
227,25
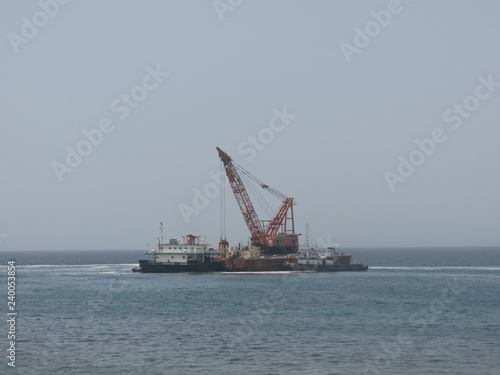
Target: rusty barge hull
255,265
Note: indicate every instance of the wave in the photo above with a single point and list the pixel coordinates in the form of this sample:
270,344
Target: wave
73,269
258,272
116,268
436,268
77,265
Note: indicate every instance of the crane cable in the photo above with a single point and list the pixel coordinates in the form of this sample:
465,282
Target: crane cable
256,194
270,189
223,202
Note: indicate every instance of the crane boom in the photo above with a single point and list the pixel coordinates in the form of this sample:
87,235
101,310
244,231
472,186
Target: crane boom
251,219
264,236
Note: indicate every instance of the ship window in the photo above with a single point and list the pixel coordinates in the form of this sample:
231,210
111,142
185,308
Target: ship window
170,247
183,257
185,248
161,248
172,257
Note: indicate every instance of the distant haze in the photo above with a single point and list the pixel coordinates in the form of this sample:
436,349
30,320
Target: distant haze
381,118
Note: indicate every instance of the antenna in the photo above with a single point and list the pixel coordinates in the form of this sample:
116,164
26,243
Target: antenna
307,236
161,232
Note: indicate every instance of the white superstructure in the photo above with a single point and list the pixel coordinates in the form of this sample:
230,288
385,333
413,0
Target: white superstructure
190,249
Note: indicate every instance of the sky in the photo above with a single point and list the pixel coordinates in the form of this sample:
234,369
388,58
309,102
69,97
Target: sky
381,119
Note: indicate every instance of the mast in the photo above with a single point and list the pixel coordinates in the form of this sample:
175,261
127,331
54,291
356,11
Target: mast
307,236
161,232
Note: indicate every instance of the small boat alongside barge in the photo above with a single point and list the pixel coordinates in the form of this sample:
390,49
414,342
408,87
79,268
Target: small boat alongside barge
313,260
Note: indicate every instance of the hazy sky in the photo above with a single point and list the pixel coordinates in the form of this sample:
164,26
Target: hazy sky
381,118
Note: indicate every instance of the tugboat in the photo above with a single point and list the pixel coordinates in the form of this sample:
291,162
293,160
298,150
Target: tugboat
315,261
188,255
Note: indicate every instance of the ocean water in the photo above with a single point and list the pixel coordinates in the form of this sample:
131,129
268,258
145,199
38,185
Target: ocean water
415,311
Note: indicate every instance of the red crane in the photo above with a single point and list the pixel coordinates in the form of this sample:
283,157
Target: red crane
273,236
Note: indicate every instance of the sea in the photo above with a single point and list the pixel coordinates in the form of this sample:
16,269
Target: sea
415,311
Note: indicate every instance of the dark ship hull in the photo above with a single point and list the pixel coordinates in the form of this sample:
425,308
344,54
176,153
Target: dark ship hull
147,266
245,265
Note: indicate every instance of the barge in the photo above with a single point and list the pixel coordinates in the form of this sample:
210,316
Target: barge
254,259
